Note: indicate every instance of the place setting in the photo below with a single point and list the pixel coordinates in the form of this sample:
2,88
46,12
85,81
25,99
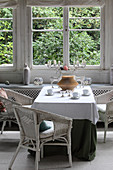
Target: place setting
75,95
49,92
86,92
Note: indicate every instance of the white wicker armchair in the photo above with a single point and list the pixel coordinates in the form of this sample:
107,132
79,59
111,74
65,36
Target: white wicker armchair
29,121
105,109
13,98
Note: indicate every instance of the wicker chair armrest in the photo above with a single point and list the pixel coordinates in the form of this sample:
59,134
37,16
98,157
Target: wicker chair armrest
104,98
4,100
53,117
58,120
61,123
19,98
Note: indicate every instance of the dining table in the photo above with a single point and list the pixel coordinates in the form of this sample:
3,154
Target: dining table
82,110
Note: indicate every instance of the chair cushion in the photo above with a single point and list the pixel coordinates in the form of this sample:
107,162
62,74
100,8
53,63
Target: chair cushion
3,94
45,125
49,132
101,107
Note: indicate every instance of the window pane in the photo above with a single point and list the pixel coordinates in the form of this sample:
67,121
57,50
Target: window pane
84,12
47,18
47,12
85,46
6,24
6,48
48,24
84,23
6,38
6,13
47,46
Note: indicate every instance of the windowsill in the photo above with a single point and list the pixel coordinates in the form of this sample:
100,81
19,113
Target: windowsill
32,86
7,67
14,86
101,86
44,67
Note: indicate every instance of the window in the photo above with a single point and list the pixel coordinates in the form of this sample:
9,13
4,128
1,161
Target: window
47,34
66,35
84,35
6,36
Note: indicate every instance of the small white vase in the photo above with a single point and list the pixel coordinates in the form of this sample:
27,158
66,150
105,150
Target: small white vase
26,74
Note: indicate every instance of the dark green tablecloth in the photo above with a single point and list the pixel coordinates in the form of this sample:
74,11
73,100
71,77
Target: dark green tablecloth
84,139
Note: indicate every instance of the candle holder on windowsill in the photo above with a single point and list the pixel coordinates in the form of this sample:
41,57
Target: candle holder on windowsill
65,67
64,70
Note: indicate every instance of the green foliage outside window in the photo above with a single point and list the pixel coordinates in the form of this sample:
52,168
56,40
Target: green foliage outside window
6,38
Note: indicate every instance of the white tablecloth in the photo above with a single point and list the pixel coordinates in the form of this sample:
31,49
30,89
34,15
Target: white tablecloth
82,108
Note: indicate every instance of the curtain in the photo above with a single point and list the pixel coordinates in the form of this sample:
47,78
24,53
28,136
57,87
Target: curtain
8,3
79,3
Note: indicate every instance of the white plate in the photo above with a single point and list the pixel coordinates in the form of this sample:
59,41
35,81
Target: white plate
74,98
49,94
86,94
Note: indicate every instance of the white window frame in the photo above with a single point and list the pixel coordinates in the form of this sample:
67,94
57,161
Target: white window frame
66,41
7,67
88,66
44,30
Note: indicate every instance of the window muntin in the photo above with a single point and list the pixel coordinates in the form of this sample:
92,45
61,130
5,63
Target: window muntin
6,36
84,35
47,34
